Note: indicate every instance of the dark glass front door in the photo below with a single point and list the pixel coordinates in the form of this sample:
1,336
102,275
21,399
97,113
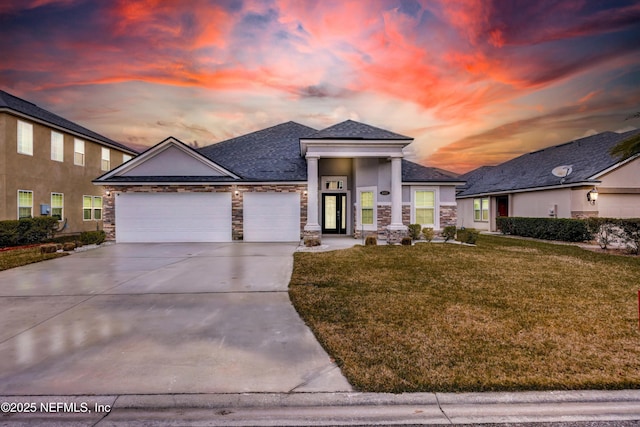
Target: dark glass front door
502,203
334,213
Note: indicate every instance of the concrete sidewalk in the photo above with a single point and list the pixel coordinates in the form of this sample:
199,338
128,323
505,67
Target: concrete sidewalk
591,408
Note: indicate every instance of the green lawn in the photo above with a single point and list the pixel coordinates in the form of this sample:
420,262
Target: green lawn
505,315
18,257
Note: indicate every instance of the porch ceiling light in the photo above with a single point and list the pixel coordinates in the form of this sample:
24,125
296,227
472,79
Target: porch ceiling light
592,196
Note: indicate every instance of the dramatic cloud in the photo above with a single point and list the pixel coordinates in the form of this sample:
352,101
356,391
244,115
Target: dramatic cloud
473,81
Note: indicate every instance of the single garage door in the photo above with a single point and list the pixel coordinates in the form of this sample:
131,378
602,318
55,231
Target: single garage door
271,217
173,217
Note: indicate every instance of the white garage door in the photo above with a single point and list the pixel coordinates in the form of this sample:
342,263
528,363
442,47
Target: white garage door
173,217
271,217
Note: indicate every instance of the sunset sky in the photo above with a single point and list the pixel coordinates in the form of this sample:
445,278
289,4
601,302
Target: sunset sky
474,82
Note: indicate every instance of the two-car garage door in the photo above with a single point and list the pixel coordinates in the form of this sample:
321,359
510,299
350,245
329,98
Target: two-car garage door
205,217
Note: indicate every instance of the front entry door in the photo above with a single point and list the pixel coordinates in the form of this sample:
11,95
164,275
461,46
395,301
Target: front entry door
334,213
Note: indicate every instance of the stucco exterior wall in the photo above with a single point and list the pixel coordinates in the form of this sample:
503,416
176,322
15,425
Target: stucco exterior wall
540,204
41,175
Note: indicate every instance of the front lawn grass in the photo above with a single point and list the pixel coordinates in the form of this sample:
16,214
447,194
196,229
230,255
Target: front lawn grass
18,257
505,315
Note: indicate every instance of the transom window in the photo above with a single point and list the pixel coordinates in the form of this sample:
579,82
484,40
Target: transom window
106,159
335,183
424,207
91,208
25,138
481,209
57,206
78,152
25,204
57,146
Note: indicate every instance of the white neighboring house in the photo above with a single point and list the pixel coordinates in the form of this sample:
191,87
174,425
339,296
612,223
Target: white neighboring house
559,181
277,184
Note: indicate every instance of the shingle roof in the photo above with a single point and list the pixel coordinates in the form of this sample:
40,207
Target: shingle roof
586,156
10,102
350,129
271,154
413,172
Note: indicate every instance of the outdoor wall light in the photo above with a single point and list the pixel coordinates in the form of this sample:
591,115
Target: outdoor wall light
237,192
108,193
305,192
592,196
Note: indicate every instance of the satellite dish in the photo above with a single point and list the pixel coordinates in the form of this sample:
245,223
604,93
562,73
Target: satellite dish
562,171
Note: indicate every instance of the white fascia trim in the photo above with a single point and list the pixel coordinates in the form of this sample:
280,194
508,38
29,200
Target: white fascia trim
616,166
442,183
526,190
68,131
176,183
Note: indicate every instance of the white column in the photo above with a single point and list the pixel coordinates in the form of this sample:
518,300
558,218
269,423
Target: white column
396,194
312,194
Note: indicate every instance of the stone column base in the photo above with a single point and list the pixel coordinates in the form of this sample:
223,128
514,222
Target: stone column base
395,236
312,237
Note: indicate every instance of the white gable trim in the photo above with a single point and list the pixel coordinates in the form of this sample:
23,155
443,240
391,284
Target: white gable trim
614,167
159,148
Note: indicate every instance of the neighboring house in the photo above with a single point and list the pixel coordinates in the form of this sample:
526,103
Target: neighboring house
47,164
554,182
277,184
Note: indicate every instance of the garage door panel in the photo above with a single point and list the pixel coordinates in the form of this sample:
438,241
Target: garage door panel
271,217
173,217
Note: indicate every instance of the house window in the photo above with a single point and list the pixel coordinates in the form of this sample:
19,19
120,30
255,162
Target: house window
57,146
106,159
57,206
25,204
424,207
366,208
78,152
334,185
481,209
25,138
126,158
91,208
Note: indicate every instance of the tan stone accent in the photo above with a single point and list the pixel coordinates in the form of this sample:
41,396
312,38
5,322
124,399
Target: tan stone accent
108,214
584,214
448,216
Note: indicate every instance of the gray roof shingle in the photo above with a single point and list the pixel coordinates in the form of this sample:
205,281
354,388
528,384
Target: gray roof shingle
11,102
413,172
271,154
350,129
586,156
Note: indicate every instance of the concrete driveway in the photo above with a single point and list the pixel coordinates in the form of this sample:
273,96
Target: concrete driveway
159,318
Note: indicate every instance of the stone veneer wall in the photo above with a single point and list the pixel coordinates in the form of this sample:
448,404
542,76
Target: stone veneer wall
448,216
583,214
108,208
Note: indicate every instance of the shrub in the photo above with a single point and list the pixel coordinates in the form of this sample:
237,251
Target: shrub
427,233
449,232
406,241
93,237
48,248
27,230
631,234
69,246
371,241
414,231
564,229
468,235
311,241
604,230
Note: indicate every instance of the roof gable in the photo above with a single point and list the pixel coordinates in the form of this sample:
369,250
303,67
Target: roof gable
169,158
22,107
413,172
587,157
351,129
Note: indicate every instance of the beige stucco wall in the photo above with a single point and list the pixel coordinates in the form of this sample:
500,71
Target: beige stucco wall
40,174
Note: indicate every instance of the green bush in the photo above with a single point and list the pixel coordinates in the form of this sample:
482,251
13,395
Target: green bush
468,235
449,232
564,229
406,241
631,233
371,241
427,233
414,231
92,237
27,230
